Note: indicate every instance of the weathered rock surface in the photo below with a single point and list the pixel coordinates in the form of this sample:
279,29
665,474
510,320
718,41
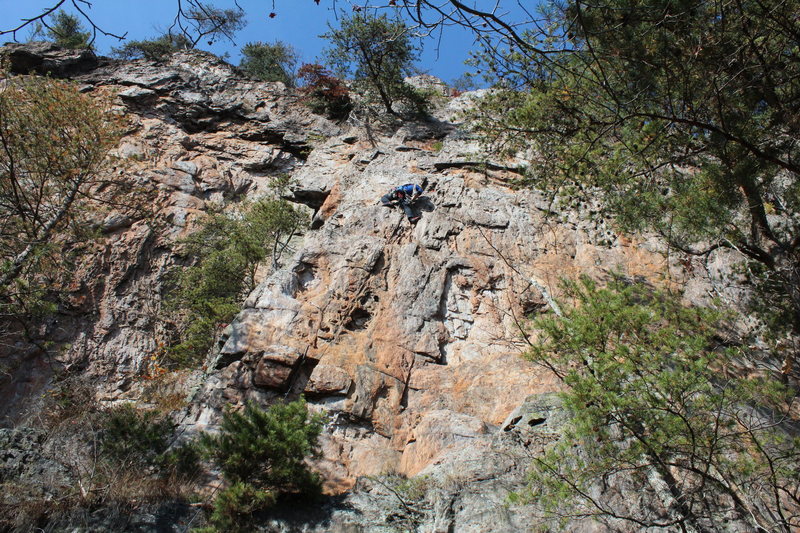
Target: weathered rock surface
199,136
409,335
47,59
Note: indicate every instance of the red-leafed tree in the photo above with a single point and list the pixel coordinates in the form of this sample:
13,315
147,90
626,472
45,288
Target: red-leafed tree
323,92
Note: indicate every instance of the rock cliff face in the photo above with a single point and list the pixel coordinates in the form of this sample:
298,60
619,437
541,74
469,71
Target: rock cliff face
199,137
409,336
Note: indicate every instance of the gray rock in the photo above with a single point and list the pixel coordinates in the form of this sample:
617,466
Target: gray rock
47,59
136,94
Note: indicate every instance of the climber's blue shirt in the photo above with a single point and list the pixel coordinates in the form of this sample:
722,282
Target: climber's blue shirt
409,189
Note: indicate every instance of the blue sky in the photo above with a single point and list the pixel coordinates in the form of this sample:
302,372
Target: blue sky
297,22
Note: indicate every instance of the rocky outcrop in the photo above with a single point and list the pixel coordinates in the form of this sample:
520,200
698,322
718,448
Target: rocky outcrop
410,336
47,59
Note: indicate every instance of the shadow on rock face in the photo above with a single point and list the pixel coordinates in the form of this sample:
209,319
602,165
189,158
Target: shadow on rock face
296,513
424,203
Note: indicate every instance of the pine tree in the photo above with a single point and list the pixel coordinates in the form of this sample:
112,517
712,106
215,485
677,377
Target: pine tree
66,30
268,448
651,398
262,454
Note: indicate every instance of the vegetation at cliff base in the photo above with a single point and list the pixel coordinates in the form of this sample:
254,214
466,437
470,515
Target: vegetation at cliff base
262,454
654,398
83,456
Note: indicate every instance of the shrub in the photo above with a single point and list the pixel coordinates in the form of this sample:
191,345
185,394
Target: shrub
132,438
154,49
269,62
324,93
235,505
181,461
268,448
262,455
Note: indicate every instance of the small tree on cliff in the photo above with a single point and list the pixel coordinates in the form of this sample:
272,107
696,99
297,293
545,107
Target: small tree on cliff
377,52
66,30
54,142
226,253
270,62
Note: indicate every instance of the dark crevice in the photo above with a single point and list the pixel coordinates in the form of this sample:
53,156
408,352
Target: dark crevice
511,425
347,418
301,376
530,308
312,198
299,149
359,319
226,359
478,165
306,274
317,222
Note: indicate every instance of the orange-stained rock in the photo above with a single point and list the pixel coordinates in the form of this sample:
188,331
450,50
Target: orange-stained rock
274,369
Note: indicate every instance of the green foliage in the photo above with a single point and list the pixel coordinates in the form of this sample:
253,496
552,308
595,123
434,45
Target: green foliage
67,31
269,62
262,454
650,398
181,461
268,448
413,488
377,52
235,505
154,49
227,251
677,112
133,438
324,93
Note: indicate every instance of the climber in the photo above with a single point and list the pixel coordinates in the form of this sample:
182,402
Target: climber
403,196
